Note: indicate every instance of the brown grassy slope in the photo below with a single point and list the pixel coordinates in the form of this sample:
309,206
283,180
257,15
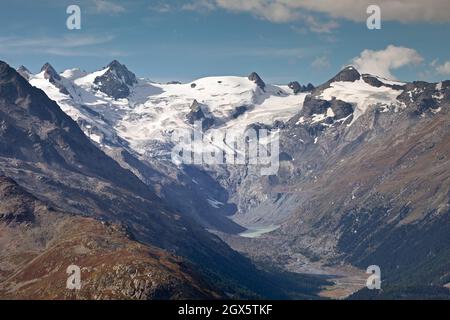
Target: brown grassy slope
37,244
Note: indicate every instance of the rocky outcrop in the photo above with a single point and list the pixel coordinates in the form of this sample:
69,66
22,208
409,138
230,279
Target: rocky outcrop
50,73
24,72
348,74
254,77
116,81
422,97
239,111
53,77
375,82
298,88
295,86
341,109
197,113
16,205
314,106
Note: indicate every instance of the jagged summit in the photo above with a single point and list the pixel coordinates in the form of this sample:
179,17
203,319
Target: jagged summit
5,71
198,114
122,72
115,63
53,77
116,81
24,72
12,85
257,79
50,72
348,74
298,88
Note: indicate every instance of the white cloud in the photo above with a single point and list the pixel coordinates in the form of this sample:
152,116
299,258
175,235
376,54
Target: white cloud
103,6
161,7
443,69
321,62
382,62
317,26
398,10
355,10
62,46
199,5
274,11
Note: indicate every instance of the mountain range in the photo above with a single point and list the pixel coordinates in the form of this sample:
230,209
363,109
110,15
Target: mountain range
87,176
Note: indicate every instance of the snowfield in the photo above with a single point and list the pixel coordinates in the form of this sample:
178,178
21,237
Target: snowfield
362,95
153,111
146,121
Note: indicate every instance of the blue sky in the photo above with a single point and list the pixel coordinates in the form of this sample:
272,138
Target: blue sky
282,40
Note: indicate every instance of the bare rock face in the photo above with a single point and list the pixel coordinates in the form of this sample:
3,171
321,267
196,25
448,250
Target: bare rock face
375,82
24,72
239,111
257,79
295,86
50,73
334,109
314,106
16,205
298,88
198,114
423,97
348,74
53,77
116,81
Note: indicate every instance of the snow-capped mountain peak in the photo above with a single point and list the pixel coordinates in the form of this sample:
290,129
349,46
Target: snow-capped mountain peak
116,81
347,74
49,72
115,108
351,90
